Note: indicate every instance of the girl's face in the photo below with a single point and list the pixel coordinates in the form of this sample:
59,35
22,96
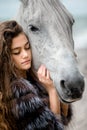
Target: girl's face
21,52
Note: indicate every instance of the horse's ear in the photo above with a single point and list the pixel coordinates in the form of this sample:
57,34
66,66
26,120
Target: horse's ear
25,2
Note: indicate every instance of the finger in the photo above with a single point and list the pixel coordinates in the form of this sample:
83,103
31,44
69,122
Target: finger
41,73
39,70
43,70
48,75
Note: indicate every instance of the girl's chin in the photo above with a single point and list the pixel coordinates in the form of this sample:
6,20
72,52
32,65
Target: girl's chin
26,67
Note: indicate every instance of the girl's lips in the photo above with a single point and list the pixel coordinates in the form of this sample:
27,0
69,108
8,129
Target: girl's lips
25,62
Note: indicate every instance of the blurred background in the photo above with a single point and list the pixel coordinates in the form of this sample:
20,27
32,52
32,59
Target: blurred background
78,8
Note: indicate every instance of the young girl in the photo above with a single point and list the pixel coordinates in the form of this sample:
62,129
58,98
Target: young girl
30,97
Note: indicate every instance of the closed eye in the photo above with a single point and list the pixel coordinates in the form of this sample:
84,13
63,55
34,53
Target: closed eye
33,28
16,53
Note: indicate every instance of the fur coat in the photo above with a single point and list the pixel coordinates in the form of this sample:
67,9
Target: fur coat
29,108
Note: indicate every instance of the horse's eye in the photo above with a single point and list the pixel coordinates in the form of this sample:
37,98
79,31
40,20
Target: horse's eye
33,28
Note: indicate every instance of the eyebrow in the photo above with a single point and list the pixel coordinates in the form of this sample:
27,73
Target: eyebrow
19,46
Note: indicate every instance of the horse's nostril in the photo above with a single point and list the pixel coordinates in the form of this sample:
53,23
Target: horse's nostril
62,84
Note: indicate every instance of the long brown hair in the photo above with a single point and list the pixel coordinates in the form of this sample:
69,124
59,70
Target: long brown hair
9,30
4,125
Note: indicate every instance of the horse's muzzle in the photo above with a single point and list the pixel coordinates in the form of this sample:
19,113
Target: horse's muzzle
72,90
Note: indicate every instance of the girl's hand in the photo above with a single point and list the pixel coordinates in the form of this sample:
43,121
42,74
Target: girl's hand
55,105
44,77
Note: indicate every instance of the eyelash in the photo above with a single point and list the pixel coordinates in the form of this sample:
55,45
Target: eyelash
16,53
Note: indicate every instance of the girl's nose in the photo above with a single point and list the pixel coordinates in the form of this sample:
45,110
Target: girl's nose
24,54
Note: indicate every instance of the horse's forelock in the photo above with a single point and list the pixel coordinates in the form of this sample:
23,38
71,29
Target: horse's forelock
54,8
50,4
62,18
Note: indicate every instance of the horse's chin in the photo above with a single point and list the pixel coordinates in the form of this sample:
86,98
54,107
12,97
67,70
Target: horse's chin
68,99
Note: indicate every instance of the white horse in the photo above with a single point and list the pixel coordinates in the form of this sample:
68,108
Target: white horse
49,27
